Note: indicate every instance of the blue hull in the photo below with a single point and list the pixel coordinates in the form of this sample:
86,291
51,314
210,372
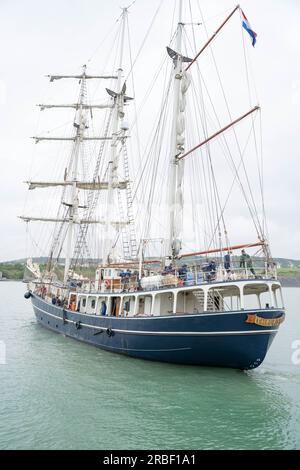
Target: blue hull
212,339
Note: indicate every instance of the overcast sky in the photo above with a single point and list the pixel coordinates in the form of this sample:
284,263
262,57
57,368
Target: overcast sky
39,37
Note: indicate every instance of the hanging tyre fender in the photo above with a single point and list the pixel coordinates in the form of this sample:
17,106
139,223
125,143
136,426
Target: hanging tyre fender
28,294
109,332
78,325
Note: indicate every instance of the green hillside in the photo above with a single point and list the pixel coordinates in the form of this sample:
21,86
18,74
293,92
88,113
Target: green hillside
14,270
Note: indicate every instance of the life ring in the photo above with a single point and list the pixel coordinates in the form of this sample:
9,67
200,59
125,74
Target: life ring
107,284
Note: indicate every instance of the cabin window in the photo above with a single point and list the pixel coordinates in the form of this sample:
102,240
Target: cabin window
278,298
93,303
83,302
115,306
129,304
258,296
222,299
190,301
164,303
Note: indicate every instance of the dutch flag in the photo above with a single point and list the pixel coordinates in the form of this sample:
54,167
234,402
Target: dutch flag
247,27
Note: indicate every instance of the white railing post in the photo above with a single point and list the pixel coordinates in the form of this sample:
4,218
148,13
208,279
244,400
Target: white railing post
258,300
153,304
271,296
121,313
174,302
136,304
205,292
109,306
242,303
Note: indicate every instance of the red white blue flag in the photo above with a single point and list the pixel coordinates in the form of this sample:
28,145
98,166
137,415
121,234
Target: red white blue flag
248,28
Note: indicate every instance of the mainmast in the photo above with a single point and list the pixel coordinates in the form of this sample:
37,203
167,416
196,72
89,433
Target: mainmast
118,115
175,199
80,124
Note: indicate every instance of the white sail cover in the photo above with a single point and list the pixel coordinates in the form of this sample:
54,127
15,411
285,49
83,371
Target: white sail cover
180,140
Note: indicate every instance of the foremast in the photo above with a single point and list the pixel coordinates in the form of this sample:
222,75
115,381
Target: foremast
72,186
70,182
80,125
118,115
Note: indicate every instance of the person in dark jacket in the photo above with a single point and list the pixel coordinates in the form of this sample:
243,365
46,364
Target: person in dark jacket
227,261
212,268
246,262
182,271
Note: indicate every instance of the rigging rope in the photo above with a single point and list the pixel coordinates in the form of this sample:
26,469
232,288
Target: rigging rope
253,211
145,38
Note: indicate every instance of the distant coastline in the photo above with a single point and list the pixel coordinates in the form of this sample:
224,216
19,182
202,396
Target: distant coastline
288,273
290,281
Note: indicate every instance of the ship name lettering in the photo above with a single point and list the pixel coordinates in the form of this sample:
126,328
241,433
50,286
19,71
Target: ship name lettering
252,318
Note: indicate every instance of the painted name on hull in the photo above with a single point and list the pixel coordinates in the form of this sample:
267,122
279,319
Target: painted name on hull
253,318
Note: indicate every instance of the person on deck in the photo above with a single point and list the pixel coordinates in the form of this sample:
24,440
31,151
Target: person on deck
227,262
212,270
127,279
169,269
246,262
182,271
123,275
103,308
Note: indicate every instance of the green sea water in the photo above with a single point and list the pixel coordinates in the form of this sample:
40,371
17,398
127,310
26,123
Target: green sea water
56,393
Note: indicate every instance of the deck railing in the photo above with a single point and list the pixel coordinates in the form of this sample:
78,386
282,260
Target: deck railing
195,275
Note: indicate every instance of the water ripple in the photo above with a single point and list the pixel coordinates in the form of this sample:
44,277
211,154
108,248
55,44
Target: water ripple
60,394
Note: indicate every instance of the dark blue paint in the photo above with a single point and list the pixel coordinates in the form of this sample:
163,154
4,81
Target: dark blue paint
235,351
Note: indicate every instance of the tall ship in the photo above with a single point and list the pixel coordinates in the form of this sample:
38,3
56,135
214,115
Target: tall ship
152,223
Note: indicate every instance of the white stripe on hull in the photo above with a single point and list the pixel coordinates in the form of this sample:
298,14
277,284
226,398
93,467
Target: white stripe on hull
163,333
